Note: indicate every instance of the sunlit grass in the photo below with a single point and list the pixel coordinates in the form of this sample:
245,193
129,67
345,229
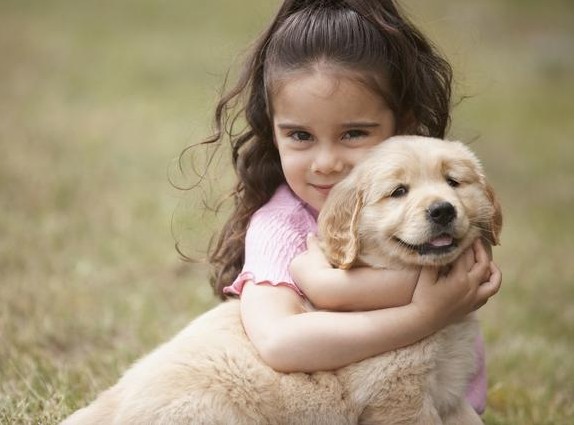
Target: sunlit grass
97,98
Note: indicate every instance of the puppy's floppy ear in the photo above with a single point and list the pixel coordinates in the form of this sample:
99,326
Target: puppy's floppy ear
493,230
337,223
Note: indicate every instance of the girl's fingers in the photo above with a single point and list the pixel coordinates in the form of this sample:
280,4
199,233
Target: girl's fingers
469,259
480,304
311,241
491,287
480,252
480,271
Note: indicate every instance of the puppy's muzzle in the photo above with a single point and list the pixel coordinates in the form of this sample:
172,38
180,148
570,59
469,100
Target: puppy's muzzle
441,212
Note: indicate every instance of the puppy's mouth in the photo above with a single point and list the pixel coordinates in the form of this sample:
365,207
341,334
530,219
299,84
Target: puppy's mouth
438,245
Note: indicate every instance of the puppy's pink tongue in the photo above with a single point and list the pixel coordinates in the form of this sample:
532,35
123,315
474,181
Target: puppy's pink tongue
443,240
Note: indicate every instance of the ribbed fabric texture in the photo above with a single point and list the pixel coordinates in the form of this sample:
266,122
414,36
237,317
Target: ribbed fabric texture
276,234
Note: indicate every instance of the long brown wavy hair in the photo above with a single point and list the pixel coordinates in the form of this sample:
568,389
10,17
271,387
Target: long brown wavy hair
369,38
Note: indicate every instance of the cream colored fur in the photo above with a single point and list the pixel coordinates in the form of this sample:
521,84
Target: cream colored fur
209,374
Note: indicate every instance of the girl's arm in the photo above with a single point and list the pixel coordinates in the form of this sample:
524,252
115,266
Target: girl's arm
362,288
290,339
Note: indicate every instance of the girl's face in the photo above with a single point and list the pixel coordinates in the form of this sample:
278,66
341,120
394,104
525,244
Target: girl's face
323,125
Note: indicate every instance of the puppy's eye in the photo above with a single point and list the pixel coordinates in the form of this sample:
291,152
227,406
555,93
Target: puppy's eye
399,191
452,182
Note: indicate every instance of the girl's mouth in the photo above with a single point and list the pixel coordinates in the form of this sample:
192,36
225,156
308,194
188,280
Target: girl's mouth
324,189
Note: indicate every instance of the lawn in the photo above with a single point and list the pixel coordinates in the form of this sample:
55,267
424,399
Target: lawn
97,99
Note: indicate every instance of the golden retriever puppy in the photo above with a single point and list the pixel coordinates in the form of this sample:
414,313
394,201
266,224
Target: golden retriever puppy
415,201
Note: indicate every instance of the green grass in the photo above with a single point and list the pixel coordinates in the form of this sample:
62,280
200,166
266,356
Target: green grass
97,98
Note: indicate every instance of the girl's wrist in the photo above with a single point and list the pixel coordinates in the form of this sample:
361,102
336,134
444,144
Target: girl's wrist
428,321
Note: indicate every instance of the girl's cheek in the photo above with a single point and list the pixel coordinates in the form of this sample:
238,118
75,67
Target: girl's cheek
358,155
295,158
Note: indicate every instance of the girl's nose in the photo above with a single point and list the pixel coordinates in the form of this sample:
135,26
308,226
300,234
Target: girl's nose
327,161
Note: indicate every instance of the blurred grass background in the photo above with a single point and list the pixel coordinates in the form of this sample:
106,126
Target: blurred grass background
97,98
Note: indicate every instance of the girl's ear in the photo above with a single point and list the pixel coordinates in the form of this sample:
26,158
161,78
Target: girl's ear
337,223
493,230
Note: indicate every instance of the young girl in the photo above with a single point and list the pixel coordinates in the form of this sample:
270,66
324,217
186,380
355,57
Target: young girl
327,81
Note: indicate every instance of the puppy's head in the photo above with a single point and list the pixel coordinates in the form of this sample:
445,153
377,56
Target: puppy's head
414,201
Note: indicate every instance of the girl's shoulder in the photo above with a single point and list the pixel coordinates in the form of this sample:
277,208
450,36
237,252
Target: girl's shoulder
285,208
286,203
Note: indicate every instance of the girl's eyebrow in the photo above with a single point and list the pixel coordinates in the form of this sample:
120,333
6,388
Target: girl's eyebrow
290,126
359,124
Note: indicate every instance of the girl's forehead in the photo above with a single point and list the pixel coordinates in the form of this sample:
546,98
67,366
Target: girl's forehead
324,85
323,102
320,71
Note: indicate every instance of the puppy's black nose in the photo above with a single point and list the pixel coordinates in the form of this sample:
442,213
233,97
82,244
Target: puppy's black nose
441,212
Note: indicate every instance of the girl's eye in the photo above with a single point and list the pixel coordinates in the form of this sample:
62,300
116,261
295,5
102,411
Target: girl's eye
452,182
300,136
399,191
354,134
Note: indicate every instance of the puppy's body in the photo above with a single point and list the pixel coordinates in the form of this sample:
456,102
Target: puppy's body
210,373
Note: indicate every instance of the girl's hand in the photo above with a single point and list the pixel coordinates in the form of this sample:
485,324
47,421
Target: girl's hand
305,266
472,280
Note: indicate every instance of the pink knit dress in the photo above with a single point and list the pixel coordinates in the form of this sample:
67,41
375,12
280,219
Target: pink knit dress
277,233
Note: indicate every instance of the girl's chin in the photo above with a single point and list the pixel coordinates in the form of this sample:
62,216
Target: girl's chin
316,202
323,191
